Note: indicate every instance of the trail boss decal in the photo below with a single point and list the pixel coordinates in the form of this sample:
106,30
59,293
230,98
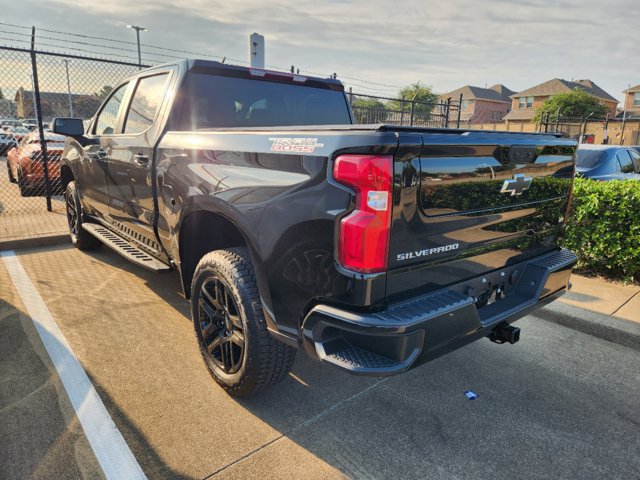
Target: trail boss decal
295,145
426,252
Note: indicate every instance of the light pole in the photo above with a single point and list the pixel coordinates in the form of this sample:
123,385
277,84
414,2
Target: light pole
138,30
583,127
66,67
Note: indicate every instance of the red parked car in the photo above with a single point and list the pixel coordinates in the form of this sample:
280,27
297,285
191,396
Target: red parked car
25,167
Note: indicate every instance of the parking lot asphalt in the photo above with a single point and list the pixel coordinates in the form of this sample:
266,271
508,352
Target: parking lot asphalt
26,219
39,434
559,404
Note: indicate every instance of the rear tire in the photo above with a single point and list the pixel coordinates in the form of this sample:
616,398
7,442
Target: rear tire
80,238
239,352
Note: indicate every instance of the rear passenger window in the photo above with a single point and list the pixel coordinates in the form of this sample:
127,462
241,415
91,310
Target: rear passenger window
108,117
145,103
626,166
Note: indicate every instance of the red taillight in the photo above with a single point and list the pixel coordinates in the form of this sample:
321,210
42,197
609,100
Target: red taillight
363,240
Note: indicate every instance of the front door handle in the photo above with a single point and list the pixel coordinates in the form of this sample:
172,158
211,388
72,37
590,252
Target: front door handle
101,154
141,159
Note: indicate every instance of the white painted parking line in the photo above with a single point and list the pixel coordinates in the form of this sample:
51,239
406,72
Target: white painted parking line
111,450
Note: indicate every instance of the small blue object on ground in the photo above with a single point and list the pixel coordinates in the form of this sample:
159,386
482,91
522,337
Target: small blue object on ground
470,395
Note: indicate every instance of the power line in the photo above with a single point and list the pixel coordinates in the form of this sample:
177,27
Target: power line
360,83
199,54
117,41
163,57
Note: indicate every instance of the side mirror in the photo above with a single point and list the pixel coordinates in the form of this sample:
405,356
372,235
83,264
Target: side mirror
71,127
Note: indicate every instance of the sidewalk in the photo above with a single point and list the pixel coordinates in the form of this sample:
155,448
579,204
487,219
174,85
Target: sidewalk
608,298
606,310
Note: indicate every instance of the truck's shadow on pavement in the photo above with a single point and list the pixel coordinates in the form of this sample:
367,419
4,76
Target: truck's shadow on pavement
546,401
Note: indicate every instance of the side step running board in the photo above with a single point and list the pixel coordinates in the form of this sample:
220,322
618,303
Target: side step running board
124,248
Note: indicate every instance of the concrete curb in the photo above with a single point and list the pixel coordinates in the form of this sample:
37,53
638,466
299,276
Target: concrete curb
31,242
612,329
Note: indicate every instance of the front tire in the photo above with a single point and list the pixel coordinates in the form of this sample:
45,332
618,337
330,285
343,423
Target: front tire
241,355
12,179
25,190
80,238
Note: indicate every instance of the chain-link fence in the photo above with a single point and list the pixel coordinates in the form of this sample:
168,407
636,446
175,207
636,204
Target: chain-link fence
36,87
369,109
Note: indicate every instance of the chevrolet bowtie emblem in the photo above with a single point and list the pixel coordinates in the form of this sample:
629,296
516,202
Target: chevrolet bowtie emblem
516,186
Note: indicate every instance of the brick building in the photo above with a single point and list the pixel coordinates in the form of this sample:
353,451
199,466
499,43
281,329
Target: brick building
632,102
55,104
482,105
525,103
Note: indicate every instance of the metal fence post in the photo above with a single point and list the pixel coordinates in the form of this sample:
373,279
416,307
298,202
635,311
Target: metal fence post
411,114
38,110
546,121
459,112
402,113
446,112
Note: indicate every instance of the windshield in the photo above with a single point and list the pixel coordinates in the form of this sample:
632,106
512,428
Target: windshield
589,158
212,101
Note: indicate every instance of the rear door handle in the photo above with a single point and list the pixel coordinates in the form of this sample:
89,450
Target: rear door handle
141,159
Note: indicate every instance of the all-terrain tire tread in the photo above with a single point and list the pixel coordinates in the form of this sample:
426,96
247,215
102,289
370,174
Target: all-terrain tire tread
268,360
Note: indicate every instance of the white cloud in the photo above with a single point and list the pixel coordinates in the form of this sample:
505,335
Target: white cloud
443,43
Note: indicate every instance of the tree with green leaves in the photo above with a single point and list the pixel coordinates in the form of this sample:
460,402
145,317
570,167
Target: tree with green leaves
574,104
423,96
369,103
85,106
104,92
369,110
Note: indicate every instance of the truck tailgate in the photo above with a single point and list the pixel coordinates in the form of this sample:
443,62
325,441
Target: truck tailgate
473,203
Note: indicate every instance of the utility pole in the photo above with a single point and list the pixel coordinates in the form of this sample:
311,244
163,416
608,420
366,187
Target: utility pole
66,66
138,30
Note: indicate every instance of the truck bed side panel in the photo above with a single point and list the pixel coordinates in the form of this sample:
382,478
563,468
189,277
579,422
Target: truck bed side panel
280,201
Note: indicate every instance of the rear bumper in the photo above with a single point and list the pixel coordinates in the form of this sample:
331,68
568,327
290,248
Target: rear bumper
418,330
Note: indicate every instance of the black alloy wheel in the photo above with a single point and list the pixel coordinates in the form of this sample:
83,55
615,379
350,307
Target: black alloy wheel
80,238
72,213
228,320
220,326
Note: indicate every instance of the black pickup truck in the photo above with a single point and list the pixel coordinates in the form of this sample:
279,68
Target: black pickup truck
373,247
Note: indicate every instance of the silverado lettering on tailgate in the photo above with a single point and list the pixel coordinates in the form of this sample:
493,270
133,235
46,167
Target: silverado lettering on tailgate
427,251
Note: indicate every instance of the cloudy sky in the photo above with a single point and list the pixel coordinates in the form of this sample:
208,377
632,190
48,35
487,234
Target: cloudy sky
375,46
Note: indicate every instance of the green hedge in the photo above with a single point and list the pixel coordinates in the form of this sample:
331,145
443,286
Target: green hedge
604,227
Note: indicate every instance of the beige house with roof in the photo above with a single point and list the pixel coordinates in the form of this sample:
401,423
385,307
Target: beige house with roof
632,102
524,103
482,105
